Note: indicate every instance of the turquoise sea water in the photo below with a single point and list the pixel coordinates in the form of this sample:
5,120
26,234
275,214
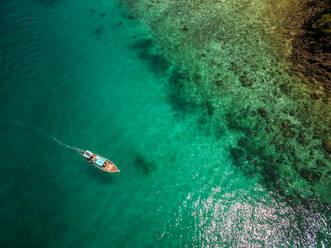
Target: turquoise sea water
88,75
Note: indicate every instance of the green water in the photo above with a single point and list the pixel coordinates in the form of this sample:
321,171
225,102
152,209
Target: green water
85,73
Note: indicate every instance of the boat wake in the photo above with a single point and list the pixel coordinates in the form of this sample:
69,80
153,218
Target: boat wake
67,146
58,141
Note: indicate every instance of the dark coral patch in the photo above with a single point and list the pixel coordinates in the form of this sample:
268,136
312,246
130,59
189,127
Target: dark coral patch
310,175
157,63
327,145
99,32
210,108
237,154
245,80
262,111
177,98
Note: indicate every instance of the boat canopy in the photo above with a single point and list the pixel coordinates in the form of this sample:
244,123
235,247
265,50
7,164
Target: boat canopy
99,161
87,154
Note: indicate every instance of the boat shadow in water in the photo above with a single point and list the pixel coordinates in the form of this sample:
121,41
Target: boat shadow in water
143,165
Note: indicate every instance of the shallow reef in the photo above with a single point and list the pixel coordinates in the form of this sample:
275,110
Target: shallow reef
239,60
312,45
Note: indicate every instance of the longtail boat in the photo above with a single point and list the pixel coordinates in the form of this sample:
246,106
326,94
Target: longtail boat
100,162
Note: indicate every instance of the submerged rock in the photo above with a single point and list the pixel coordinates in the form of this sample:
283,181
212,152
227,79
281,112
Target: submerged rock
262,112
237,154
245,81
311,175
288,133
284,88
210,108
286,123
302,139
219,83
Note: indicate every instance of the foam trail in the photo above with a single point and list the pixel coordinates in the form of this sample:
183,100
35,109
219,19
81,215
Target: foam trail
67,146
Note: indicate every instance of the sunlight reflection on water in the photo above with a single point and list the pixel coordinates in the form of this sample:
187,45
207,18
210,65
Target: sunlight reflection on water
235,219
